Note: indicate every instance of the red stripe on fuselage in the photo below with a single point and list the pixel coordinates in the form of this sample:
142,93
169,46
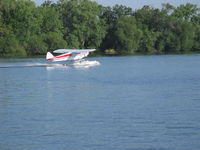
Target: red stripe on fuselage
66,55
50,59
57,57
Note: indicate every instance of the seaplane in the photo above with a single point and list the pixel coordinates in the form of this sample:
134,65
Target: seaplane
71,55
68,54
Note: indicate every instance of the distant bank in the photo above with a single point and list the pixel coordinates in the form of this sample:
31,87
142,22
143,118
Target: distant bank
30,30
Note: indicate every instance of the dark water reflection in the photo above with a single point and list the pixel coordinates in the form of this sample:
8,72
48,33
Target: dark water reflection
130,103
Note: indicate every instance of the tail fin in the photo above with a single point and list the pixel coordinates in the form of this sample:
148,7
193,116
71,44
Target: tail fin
49,56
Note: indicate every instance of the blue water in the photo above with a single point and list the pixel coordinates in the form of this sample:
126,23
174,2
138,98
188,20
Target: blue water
126,103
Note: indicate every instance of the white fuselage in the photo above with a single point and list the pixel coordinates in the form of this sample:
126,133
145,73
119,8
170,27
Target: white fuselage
66,56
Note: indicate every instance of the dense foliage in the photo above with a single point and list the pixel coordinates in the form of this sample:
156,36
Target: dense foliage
27,29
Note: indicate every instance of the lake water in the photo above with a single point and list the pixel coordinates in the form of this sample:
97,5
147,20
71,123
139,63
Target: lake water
126,103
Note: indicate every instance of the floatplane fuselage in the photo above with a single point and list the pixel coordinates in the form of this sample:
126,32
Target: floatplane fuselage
68,54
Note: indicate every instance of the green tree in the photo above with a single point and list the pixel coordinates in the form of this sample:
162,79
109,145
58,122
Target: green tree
10,47
54,40
168,8
82,24
111,17
196,21
22,21
52,27
9,44
167,42
36,46
148,41
127,41
178,38
185,12
154,19
196,46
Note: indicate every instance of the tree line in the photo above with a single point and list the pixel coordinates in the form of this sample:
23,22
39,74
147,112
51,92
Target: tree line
28,30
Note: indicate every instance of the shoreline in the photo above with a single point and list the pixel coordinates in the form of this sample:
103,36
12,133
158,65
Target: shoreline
111,55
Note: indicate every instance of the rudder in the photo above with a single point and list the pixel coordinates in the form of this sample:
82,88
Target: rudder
49,56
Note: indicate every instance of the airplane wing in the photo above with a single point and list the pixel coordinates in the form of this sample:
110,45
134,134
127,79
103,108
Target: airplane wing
61,51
